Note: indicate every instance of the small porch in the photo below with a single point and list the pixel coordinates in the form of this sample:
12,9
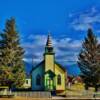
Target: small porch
50,81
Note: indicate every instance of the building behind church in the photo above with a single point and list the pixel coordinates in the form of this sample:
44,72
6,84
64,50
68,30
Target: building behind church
49,75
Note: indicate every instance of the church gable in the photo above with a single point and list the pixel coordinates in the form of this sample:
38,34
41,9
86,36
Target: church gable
60,67
60,77
37,74
41,64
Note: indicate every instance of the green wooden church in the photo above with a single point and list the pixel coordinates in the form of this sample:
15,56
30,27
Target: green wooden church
49,75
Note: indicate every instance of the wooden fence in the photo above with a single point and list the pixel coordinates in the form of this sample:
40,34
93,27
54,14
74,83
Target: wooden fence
85,95
33,94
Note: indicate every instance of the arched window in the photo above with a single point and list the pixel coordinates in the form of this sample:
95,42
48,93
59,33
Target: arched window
38,80
59,79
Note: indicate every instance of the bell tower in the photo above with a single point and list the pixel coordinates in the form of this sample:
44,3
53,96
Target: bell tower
49,55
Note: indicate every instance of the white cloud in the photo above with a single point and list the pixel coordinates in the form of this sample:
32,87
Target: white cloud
66,49
98,39
25,59
29,60
68,43
81,26
83,20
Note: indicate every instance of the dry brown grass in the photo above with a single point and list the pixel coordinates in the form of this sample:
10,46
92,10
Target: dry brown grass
76,89
24,98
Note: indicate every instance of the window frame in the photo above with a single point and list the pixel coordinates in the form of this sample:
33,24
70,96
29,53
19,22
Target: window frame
38,80
59,79
27,81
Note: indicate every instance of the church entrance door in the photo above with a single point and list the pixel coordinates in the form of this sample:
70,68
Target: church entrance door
49,84
49,80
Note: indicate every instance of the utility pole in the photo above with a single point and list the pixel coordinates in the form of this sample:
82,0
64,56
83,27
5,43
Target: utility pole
32,62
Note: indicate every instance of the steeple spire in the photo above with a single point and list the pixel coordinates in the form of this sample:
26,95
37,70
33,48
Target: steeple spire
49,47
49,43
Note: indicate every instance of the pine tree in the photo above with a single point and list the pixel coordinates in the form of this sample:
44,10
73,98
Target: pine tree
11,55
89,61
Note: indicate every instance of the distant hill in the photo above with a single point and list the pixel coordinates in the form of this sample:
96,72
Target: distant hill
71,69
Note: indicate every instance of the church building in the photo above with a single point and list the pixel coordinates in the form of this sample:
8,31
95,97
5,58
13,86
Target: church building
49,75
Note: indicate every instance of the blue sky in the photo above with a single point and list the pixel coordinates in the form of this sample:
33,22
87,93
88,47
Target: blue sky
67,20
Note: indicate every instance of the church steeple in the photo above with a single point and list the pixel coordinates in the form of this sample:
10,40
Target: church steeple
49,43
49,47
49,55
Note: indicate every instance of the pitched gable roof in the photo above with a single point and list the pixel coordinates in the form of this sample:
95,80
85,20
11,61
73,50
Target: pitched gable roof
63,68
38,65
43,62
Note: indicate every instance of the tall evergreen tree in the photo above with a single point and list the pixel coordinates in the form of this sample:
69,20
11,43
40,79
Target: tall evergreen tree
11,55
89,61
